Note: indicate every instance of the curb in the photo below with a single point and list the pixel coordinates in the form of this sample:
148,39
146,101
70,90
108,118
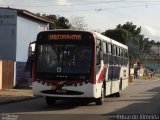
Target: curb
18,100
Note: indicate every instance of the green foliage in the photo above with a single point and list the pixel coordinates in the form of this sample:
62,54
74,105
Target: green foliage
64,23
59,22
121,35
130,35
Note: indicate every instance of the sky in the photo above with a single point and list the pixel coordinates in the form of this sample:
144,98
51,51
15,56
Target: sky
100,15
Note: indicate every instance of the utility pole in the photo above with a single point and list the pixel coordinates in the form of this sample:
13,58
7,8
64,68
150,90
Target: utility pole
158,58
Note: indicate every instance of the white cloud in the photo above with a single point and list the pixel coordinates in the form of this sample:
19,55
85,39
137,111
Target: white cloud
1,1
63,2
151,32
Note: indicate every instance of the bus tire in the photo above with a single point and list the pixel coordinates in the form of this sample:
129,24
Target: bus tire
118,94
50,101
100,100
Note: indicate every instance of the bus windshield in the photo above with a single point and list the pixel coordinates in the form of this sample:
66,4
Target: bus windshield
64,59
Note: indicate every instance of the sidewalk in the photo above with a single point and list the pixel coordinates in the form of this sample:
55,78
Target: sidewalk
14,95
143,80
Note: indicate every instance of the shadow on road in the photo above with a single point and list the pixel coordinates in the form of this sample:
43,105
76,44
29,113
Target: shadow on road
141,105
39,104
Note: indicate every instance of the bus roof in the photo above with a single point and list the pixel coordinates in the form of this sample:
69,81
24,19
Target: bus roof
107,39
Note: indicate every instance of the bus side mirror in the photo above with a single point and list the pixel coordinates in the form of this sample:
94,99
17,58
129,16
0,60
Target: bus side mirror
31,49
99,56
28,66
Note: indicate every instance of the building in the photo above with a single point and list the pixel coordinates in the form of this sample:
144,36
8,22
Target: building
152,60
17,29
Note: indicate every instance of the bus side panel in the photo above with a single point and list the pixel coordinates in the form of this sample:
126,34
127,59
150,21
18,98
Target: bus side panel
115,86
108,88
124,76
124,83
99,79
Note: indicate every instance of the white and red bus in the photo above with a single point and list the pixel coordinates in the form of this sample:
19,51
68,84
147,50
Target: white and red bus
78,64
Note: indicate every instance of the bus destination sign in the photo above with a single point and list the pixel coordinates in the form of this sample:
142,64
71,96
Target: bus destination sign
65,37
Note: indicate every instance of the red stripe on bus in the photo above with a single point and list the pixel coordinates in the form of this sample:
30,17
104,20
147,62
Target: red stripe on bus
101,76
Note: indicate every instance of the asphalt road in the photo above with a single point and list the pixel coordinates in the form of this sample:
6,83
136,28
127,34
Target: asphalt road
140,99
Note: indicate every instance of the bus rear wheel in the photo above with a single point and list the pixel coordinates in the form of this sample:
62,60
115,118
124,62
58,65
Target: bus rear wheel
100,100
50,101
117,94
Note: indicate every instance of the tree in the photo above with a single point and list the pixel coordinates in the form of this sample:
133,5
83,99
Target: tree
53,18
121,35
78,23
131,28
131,35
59,22
63,23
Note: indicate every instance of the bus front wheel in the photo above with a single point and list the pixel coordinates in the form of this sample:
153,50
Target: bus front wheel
100,100
50,101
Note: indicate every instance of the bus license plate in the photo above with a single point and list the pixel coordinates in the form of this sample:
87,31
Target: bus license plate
61,91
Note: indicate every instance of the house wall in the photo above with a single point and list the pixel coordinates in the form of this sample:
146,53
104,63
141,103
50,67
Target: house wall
16,32
8,34
0,74
27,31
8,20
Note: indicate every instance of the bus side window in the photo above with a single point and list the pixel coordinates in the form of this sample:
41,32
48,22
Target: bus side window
110,54
116,55
119,51
116,50
113,54
98,49
125,54
112,49
104,47
109,48
126,57
120,55
105,54
98,43
123,57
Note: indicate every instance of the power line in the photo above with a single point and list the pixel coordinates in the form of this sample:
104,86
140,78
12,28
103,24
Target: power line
49,5
81,4
131,6
96,10
101,9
